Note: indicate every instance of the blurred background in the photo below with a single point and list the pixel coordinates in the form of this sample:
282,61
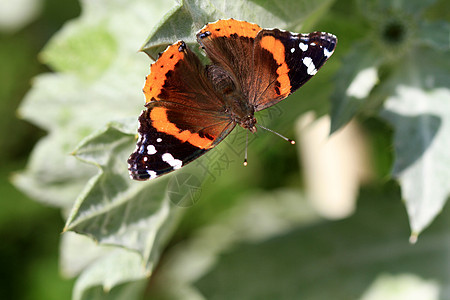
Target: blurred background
29,231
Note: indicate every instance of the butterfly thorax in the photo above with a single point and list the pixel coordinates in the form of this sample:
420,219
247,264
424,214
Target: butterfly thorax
236,104
240,111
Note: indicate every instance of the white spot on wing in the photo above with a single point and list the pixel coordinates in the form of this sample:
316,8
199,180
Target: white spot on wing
303,46
327,53
152,174
174,163
145,158
292,50
151,150
159,140
310,65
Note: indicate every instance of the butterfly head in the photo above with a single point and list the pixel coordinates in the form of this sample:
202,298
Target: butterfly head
248,122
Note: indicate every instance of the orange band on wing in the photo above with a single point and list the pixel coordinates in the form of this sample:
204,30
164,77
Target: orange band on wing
228,27
160,121
277,49
158,70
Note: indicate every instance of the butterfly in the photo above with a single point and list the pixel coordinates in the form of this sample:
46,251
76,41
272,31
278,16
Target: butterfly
190,107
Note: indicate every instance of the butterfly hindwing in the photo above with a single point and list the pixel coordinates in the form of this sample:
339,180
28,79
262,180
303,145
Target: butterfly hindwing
157,152
172,135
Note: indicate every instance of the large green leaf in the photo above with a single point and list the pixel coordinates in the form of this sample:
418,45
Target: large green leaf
191,15
417,107
86,94
99,79
105,271
114,209
353,83
403,50
421,120
433,34
397,36
52,175
119,266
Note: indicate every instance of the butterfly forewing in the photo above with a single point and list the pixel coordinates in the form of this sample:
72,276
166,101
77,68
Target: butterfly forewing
290,60
184,116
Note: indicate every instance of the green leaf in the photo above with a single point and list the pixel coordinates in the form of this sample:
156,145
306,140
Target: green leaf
127,290
421,121
397,37
70,108
67,52
53,177
78,252
353,84
108,272
119,266
436,34
417,126
191,15
113,209
100,79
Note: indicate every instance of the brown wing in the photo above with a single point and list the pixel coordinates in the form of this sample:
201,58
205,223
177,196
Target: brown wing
229,44
184,118
179,76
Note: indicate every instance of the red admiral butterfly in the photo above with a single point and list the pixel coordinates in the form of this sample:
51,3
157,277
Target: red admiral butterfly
192,107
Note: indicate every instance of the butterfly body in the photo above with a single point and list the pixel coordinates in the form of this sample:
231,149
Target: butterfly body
236,106
190,107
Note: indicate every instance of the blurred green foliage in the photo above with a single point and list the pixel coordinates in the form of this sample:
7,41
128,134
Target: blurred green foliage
29,232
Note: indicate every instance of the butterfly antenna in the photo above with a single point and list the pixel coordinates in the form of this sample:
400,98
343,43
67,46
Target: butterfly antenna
246,147
280,135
